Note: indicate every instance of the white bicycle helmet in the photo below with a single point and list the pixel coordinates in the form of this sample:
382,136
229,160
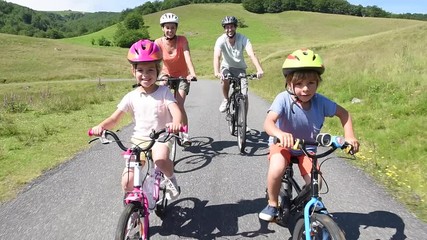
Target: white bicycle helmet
169,18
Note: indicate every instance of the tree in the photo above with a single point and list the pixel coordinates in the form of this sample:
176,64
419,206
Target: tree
273,6
255,6
125,38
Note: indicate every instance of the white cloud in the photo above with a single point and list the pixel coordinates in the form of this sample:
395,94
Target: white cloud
79,5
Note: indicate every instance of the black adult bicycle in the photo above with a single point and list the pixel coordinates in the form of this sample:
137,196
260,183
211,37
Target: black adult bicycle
237,107
305,214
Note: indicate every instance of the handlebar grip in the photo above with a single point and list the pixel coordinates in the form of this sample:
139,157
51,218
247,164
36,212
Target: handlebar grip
297,142
183,129
91,134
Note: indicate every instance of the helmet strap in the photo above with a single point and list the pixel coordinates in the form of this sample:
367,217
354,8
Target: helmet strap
295,97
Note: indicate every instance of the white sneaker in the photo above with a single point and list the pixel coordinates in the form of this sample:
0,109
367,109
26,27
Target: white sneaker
223,105
172,191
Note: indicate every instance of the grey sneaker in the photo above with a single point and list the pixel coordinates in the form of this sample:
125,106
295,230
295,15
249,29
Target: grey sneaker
172,191
223,106
268,213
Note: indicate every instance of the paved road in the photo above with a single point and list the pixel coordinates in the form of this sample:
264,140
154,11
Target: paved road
222,190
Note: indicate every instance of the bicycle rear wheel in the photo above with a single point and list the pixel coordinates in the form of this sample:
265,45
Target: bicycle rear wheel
231,117
241,125
133,223
322,227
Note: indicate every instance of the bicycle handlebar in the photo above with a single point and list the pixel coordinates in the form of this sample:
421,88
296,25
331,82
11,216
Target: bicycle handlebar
324,140
178,79
242,75
154,135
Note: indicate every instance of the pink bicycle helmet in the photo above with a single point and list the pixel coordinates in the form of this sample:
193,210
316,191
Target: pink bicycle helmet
144,51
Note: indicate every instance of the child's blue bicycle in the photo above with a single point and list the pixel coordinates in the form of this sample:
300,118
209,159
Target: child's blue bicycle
305,214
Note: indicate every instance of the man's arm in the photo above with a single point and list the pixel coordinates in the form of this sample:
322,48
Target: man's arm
216,62
254,59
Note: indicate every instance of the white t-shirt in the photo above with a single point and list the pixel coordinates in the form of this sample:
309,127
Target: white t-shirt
149,111
232,56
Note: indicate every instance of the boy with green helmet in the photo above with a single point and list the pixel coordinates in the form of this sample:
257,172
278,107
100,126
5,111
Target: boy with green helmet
298,112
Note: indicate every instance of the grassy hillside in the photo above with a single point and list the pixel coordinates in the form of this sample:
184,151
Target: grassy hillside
379,61
271,34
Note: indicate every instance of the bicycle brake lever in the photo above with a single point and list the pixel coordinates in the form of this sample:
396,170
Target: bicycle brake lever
105,140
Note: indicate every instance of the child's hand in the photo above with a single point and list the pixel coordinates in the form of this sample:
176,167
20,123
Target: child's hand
286,140
173,127
97,130
353,141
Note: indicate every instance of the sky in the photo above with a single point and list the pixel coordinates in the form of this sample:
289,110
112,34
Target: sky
393,6
79,5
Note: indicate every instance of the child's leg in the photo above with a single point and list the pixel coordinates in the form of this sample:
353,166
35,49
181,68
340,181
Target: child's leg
277,165
161,158
127,180
276,169
305,165
160,155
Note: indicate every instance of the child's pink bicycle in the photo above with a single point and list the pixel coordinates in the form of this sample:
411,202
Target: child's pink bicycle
148,193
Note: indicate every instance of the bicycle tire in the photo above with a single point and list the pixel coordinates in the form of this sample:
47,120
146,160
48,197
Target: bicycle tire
322,227
231,117
241,124
172,152
133,223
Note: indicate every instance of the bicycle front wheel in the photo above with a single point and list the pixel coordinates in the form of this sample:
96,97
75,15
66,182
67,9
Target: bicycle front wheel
241,125
133,223
322,227
231,117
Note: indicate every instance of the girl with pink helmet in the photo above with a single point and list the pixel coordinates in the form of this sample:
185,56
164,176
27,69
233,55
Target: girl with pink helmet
151,107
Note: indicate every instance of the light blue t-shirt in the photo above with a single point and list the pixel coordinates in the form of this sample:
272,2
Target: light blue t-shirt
303,124
232,56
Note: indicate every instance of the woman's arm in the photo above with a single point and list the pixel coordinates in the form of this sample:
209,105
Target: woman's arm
189,62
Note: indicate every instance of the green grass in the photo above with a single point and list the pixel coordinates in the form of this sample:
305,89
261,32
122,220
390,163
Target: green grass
379,61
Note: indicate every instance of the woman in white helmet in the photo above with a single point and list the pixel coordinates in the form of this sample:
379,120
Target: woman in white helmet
176,61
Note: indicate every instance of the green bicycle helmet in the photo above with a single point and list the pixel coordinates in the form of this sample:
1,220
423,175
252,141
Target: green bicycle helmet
303,59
